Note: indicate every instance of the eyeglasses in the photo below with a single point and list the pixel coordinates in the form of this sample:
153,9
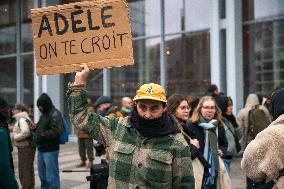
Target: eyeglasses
184,107
209,107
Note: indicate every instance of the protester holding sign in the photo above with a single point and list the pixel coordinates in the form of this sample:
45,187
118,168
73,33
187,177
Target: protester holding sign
147,149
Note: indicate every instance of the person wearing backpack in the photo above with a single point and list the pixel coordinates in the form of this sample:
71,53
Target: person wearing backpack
263,158
47,137
252,119
26,152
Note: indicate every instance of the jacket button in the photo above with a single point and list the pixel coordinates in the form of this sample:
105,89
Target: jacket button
139,164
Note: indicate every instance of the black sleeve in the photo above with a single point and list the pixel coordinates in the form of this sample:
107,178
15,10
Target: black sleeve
188,130
193,151
223,143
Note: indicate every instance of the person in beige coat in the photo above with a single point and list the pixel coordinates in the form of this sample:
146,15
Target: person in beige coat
26,152
243,118
263,158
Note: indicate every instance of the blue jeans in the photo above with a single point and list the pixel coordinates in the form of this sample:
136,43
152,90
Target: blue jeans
227,163
48,171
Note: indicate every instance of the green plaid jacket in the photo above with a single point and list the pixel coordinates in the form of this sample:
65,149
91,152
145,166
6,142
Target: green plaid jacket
134,161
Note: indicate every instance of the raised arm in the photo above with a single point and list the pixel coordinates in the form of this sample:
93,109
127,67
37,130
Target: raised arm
98,127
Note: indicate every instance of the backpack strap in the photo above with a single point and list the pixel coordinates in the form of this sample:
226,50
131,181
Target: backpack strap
249,121
199,156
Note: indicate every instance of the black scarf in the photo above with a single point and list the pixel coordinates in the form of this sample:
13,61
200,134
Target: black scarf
150,128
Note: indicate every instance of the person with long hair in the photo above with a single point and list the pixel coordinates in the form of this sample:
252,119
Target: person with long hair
232,130
178,106
206,126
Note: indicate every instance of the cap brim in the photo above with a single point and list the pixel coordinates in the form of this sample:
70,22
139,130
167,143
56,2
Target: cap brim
149,98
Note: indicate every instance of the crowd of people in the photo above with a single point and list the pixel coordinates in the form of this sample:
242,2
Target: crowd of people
213,135
19,129
151,141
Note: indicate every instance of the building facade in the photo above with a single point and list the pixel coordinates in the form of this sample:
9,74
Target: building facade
183,44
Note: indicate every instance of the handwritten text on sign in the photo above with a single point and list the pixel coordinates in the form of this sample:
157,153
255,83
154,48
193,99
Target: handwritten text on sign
97,33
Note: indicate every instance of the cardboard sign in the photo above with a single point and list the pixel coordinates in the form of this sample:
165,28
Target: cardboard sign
97,33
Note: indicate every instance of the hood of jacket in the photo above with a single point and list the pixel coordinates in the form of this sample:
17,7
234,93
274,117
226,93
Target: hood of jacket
251,101
45,102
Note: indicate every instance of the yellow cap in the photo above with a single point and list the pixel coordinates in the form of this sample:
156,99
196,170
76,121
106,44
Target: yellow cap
151,91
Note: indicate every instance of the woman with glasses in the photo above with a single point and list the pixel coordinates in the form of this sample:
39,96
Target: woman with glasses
178,106
206,127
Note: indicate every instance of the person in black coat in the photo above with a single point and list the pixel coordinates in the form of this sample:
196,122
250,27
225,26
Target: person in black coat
232,130
206,127
7,176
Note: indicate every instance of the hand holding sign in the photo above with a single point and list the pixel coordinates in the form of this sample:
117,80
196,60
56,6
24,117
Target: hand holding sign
80,77
97,33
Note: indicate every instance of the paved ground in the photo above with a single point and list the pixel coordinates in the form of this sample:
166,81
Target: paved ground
237,176
68,158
